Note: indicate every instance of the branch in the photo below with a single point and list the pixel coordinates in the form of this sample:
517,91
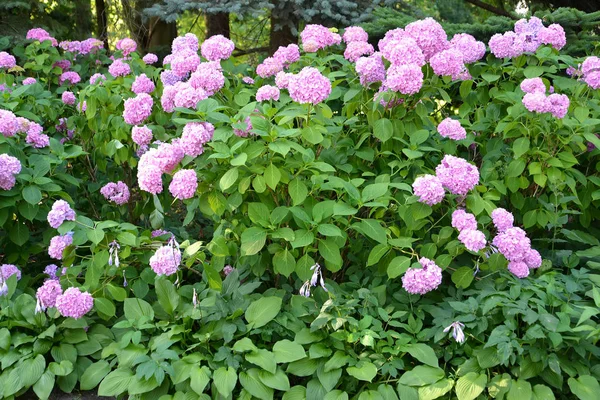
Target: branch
249,51
490,8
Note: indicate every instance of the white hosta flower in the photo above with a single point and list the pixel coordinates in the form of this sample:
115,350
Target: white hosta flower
457,331
316,278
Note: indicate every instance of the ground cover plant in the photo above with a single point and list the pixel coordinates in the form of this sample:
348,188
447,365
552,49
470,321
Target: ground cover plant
416,222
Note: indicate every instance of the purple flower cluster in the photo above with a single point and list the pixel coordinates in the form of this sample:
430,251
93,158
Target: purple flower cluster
74,303
244,132
429,189
429,35
116,192
315,37
466,224
406,79
157,161
451,128
370,69
142,84
355,50
422,280
36,137
58,244
9,125
138,109
48,293
208,77
8,270
70,76
141,135
6,60
166,260
127,46
355,34
269,67
9,167
194,136
97,79
535,99
41,35
150,58
119,68
309,86
267,92
527,36
217,48
184,62
61,212
287,55
184,184
68,98
462,220
448,62
29,81
471,49
590,71
457,175
187,42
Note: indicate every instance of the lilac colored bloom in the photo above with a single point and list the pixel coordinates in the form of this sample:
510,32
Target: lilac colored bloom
355,34
194,136
185,63
473,239
119,68
70,76
166,260
506,45
422,280
315,37
51,270
536,102
590,69
187,96
29,81
528,33
282,79
74,303
533,259
127,46
184,184
403,51
7,60
246,131
116,192
309,86
9,124
208,77
35,137
533,85
513,243
429,189
470,48
62,64
462,220
141,135
287,55
518,269
187,42
457,175
502,219
167,100
451,128
159,232
48,293
248,80
138,109
394,34
168,78
429,35
269,67
68,98
267,92
97,79
8,270
9,167
406,79
228,269
150,178
58,244
558,104
37,34
553,35
447,63
369,69
355,50
142,84
150,58
61,212
457,331
82,106
217,48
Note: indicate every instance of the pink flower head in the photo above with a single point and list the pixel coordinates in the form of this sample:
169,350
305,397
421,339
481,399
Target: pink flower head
167,100
142,84
141,135
9,167
533,85
315,37
558,104
553,35
248,80
150,58
62,64
208,77
195,135
462,220
166,260
422,280
287,55
406,79
187,42
528,33
355,34
116,192
282,79
457,175
37,34
513,243
394,34
447,63
68,98
267,92
138,109
473,239
61,212
217,48
6,60
48,293
536,102
590,69
165,157
471,49
269,67
97,79
36,137
184,184
150,178
29,81
74,303
58,244
169,78
429,189
429,35
403,51
502,219
187,96
309,86
518,269
506,45
8,270
119,68
370,69
244,132
9,125
127,46
533,259
451,128
185,63
70,76
355,50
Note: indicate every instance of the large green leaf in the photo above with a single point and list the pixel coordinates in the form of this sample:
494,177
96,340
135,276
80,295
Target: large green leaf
262,311
364,371
272,176
94,374
421,375
253,240
297,191
284,262
423,353
250,380
585,387
167,295
471,385
135,308
373,229
286,351
116,382
383,129
225,380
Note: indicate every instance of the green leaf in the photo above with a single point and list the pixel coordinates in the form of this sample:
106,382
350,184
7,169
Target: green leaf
373,229
5,339
520,146
515,168
94,374
278,380
519,389
383,129
136,308
217,246
116,382
331,253
297,191
421,375
302,238
225,380
32,194
435,390
364,371
167,295
312,135
105,306
19,234
258,183
228,179
250,381
329,230
585,387
471,385
533,71
377,253
398,266
262,311
462,277
284,262
43,387
253,240
199,378
263,358
542,392
95,235
32,369
286,351
373,191
423,353
272,176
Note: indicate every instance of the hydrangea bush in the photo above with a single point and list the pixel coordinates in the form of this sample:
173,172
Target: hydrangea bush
415,219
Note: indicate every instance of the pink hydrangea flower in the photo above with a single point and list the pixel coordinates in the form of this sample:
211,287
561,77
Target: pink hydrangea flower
141,135
29,81
553,35
269,67
462,220
150,58
150,178
267,92
70,76
35,137
74,303
422,280
9,167
9,124
518,269
447,63
558,104
506,45
168,78
533,85
167,100
513,243
58,244
208,77
393,34
61,212
166,260
185,63
533,259
138,109
37,34
248,80
590,69
355,50
287,55
282,79
502,219
429,189
194,136
473,239
451,128
48,293
355,34
142,84
315,37
217,48
184,184
471,49
309,86
406,79
97,79
187,42
116,192
369,69
8,270
429,35
7,61
68,98
457,175
536,102
127,46
187,96
62,64
403,51
119,68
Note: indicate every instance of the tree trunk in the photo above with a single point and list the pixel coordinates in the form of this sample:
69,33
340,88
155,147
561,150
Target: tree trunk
281,32
102,22
83,18
160,36
217,24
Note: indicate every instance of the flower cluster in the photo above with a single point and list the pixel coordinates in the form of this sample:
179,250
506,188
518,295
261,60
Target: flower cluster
166,260
208,77
61,212
527,37
35,137
194,136
355,34
287,55
116,192
422,280
141,135
9,167
119,68
315,37
267,92
97,79
451,128
590,71
74,303
70,76
29,81
157,161
150,59
217,48
6,60
466,224
184,184
68,98
429,189
309,86
535,99
138,109
370,69
355,50
58,244
40,35
142,84
48,293
127,46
